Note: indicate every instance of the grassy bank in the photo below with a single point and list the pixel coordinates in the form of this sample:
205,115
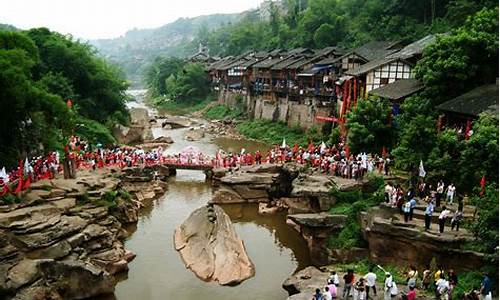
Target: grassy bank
220,112
274,132
351,203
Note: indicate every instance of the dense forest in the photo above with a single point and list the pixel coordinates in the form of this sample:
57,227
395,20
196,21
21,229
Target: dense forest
346,23
40,71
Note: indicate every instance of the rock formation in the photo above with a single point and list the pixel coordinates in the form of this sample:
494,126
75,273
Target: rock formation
391,240
210,247
303,283
65,239
316,228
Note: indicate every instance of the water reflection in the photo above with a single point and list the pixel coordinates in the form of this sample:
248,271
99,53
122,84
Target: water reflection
158,272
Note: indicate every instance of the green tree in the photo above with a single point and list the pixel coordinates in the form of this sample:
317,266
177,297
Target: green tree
480,154
466,58
369,126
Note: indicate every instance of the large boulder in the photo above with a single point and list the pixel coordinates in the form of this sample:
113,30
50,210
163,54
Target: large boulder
81,280
139,116
194,134
210,247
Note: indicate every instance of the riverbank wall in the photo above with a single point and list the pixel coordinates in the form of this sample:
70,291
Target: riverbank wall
279,109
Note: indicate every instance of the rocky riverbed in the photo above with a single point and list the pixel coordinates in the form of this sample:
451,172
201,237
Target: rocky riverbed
65,239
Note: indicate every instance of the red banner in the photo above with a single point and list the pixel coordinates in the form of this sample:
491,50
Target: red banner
326,119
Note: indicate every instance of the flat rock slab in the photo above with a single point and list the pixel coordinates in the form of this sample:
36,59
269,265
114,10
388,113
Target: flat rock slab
210,247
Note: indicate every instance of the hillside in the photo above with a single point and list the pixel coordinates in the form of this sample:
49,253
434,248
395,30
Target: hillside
138,47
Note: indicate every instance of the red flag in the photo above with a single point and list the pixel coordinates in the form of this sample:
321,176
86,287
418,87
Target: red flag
20,178
27,183
483,184
310,148
295,148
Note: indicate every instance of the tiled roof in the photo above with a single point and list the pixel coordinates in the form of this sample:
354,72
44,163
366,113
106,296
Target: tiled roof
483,99
398,89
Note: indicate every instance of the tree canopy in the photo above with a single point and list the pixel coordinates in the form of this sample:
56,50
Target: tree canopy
39,71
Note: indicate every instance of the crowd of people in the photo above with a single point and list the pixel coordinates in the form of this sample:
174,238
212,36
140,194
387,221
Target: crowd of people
432,198
364,287
331,160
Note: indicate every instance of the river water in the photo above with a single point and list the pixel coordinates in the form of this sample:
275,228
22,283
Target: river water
158,272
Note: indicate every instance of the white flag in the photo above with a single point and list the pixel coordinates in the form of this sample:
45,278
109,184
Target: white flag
421,171
323,147
283,145
26,166
3,174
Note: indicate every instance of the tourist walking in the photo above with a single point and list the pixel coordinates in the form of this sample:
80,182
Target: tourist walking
453,281
360,289
388,190
442,288
406,211
442,218
485,290
334,277
439,193
426,278
429,210
411,276
332,288
371,280
390,287
317,295
348,282
326,294
450,193
413,204
455,220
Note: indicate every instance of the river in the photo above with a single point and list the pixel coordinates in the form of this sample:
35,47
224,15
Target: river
158,272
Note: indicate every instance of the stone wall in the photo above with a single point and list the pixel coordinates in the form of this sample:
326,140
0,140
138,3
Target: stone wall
290,112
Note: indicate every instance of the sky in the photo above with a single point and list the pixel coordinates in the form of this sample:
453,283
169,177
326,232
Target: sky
92,19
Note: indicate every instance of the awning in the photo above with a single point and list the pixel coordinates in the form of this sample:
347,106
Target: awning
235,85
315,70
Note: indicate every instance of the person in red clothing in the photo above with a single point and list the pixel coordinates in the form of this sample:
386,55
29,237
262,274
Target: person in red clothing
412,293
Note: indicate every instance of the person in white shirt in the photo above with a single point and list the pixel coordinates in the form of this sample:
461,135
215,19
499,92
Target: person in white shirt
442,218
371,279
388,286
326,294
442,288
334,277
450,193
388,192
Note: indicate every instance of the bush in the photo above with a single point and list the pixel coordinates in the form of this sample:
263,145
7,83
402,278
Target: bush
9,199
221,111
272,132
94,132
